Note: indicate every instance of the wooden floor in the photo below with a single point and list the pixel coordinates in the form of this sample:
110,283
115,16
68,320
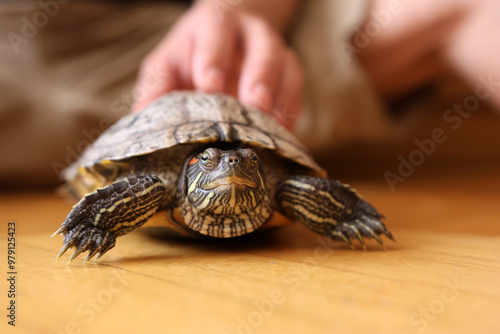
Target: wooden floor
443,275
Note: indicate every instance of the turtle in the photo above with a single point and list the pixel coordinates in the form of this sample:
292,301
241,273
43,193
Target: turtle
205,165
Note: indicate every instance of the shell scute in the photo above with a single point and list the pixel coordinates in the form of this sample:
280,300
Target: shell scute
187,117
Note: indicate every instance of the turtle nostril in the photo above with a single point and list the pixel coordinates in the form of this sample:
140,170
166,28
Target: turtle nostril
233,160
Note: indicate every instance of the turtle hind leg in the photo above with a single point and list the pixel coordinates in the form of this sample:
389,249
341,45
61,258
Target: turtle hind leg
100,217
330,208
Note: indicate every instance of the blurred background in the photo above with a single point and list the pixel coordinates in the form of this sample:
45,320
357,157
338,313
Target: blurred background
401,101
68,69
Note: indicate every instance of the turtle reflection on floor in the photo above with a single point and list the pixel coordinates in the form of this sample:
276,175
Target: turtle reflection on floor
205,165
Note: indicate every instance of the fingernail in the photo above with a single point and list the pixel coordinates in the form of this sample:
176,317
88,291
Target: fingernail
261,95
215,79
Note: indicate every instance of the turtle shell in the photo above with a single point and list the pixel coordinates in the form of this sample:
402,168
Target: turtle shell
187,117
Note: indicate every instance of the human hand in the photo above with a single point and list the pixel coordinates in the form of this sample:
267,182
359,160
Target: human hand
241,55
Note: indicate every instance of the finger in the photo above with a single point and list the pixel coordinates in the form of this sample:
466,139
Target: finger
289,95
261,64
157,76
214,48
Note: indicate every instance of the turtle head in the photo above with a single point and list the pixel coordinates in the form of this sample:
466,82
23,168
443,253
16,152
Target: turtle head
225,194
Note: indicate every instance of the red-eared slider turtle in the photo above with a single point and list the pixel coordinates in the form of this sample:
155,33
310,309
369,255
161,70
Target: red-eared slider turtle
205,165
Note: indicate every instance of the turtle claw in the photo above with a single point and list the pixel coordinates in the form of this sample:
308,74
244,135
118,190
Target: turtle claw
389,235
62,229
376,237
104,251
357,235
361,241
87,238
75,254
91,255
99,256
359,229
62,251
341,236
351,245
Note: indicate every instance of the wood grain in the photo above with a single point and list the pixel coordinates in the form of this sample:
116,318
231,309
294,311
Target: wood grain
443,275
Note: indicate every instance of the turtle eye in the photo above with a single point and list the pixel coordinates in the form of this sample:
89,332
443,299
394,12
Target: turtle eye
209,159
205,157
253,158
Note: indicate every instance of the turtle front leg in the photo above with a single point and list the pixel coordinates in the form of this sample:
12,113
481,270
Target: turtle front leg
100,217
330,208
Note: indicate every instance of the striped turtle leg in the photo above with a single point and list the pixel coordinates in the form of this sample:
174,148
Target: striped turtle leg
330,208
100,217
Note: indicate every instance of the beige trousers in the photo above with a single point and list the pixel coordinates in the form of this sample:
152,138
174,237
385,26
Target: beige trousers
66,73
341,105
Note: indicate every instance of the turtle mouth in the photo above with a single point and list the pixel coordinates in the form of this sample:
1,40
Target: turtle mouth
229,182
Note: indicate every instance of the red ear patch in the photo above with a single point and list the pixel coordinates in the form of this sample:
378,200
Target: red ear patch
193,160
